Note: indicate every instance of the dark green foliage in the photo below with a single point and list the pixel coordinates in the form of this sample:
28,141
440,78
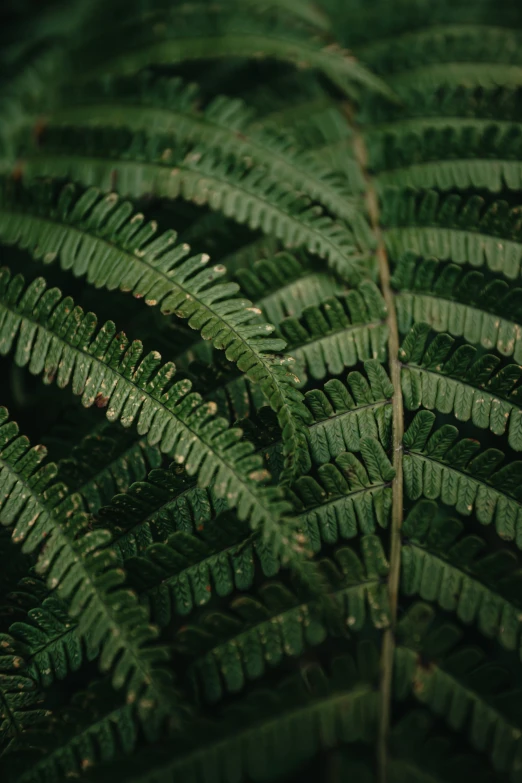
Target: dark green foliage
289,549
451,228
19,695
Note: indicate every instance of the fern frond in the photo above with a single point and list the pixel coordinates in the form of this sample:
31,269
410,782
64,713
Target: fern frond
152,510
204,554
441,564
178,38
215,556
227,650
419,754
97,237
49,636
19,696
340,333
473,231
469,691
176,577
284,285
247,254
341,413
95,728
461,382
348,497
106,462
440,466
152,164
447,158
326,338
298,488
328,712
225,124
469,55
53,337
450,103
318,126
21,499
368,403
321,129
344,413
238,399
463,303
81,569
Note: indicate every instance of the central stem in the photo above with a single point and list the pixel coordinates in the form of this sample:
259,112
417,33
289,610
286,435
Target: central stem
388,645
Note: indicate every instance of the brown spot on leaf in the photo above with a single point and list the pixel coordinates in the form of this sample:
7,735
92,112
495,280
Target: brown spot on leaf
100,401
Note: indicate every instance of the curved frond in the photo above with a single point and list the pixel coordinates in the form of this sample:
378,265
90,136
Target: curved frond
440,564
180,38
450,104
97,237
83,571
485,311
95,728
327,711
227,650
247,254
469,55
19,696
447,158
238,399
344,413
473,231
341,332
142,164
348,497
284,285
150,511
287,484
438,465
471,692
178,576
52,646
472,386
225,124
55,339
106,462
